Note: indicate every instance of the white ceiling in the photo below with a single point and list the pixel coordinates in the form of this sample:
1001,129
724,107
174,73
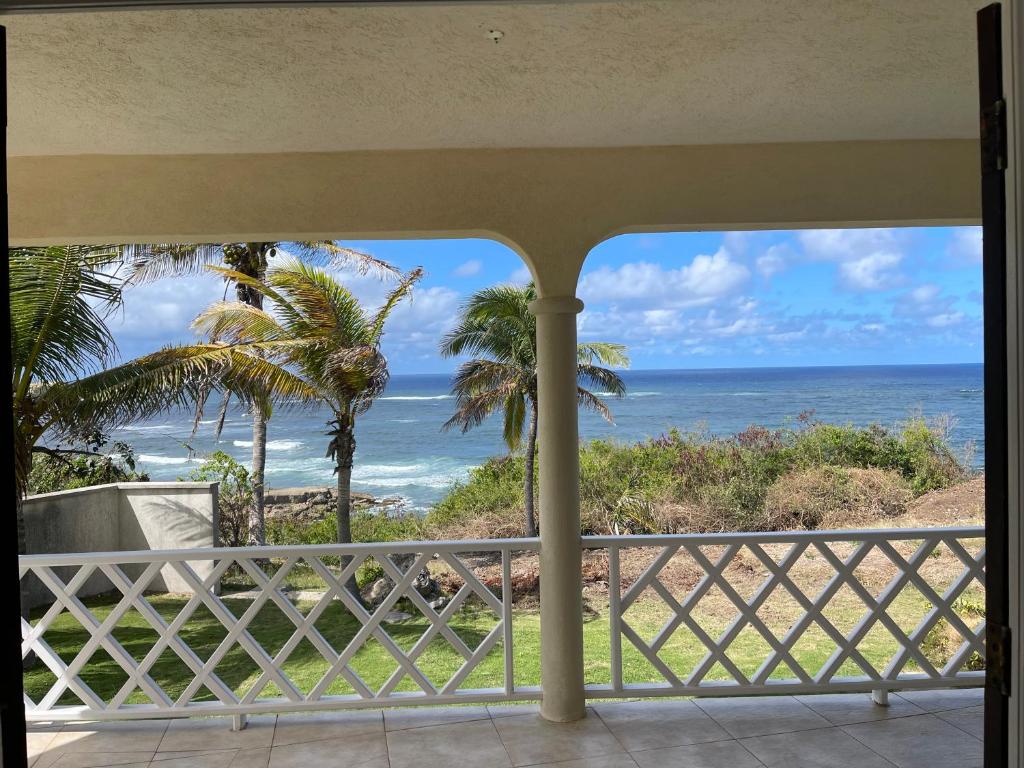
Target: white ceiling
569,74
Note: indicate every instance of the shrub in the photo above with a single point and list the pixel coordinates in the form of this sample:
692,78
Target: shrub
493,491
810,475
60,471
235,499
367,525
831,497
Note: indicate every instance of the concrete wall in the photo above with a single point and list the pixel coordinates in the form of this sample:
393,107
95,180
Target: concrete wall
122,517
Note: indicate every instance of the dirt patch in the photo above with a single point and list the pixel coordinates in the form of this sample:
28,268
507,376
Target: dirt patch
963,504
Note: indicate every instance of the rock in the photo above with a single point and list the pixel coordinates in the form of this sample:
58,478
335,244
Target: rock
374,594
438,603
315,495
425,584
393,616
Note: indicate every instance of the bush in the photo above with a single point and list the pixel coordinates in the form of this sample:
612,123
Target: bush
832,497
809,475
367,525
235,498
494,493
60,471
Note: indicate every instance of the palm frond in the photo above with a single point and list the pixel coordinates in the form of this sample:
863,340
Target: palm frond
330,253
514,408
609,383
59,298
592,402
403,290
147,263
603,352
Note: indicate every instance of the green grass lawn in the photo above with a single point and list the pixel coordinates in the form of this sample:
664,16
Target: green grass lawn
305,666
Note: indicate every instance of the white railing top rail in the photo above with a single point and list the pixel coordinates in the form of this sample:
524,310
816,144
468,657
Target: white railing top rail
286,551
782,537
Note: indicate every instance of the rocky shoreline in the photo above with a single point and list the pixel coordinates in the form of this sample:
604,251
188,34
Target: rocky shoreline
308,502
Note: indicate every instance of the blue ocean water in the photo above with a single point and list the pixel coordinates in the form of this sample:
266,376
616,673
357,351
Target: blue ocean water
401,450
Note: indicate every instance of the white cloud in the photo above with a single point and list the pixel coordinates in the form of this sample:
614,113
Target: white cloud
468,268
926,303
869,259
965,245
945,319
873,272
772,261
162,311
704,280
520,276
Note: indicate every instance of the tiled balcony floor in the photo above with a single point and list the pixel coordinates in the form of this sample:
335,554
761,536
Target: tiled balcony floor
931,729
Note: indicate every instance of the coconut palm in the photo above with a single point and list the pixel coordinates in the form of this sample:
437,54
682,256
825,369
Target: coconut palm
497,327
152,262
317,328
64,384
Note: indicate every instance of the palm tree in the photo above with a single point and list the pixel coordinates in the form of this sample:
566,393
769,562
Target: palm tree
497,326
62,382
318,328
252,260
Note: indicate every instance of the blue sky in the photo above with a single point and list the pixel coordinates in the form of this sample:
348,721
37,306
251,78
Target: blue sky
679,300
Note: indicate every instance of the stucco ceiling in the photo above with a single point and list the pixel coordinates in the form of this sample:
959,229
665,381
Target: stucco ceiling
586,74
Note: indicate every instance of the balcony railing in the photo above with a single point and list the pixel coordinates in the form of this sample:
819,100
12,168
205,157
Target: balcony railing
278,628
840,590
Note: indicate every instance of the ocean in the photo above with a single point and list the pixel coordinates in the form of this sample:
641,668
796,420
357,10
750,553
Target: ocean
402,451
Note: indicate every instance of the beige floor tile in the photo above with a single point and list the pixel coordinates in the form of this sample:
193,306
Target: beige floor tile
313,726
715,754
96,759
826,748
251,758
171,755
601,761
949,698
467,745
657,724
923,741
513,710
215,733
37,742
368,750
125,736
199,760
850,708
418,717
971,720
530,739
760,716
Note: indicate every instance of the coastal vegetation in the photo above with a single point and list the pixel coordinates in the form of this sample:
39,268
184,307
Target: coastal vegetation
498,330
151,262
805,476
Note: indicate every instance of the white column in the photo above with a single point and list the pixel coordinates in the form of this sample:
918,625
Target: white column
561,604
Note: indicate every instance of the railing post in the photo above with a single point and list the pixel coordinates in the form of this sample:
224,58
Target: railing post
880,696
239,722
561,604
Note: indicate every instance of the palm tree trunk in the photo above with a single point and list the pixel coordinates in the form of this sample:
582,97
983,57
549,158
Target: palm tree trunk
345,442
531,454
346,452
257,521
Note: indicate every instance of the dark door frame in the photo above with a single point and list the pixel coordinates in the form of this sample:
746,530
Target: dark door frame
992,109
12,708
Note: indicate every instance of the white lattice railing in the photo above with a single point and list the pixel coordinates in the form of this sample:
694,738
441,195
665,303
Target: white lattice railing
227,659
275,629
882,605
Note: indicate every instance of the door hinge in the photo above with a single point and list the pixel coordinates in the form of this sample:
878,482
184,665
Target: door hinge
998,655
993,137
